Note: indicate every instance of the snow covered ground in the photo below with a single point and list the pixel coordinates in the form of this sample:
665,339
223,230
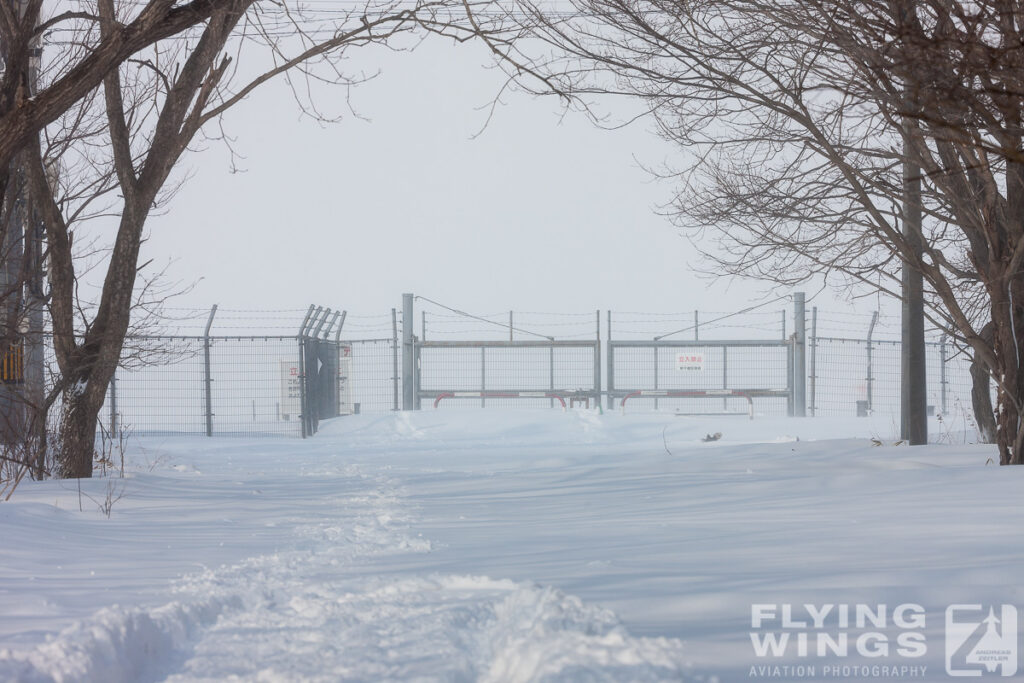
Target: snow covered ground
515,545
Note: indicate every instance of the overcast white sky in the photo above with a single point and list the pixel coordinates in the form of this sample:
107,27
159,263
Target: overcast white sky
537,213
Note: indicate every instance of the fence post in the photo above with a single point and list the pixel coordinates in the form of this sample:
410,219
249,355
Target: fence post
408,371
696,326
942,371
870,378
597,361
309,423
611,365
302,370
814,360
341,324
799,354
417,403
483,375
206,365
790,403
394,355
510,326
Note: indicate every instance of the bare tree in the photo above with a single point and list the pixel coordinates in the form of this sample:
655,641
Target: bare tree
34,92
26,109
153,106
795,121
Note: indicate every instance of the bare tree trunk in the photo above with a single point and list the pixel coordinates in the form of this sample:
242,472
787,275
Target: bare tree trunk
78,418
981,394
1007,315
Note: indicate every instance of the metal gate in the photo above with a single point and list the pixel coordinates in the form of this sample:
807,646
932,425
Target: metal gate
703,376
542,372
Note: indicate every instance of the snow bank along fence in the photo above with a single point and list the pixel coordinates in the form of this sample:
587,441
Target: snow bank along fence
307,365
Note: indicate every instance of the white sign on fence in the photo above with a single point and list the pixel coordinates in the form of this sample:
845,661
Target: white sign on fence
690,361
291,389
345,406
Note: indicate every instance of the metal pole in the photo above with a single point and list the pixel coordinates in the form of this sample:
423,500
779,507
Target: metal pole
394,355
310,366
330,325
790,403
302,370
408,355
423,326
206,365
783,317
311,317
913,369
320,323
696,326
597,361
870,377
510,325
799,354
418,375
942,371
341,324
814,359
611,365
302,384
483,375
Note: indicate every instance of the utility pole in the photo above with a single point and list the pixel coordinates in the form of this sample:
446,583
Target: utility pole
799,380
913,377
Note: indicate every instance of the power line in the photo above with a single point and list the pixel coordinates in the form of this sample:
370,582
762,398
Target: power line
485,320
724,317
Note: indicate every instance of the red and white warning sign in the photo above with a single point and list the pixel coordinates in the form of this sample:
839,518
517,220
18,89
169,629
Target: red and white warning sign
690,361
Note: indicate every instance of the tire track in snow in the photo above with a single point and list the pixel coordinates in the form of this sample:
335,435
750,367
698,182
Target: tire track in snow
438,628
146,643
300,615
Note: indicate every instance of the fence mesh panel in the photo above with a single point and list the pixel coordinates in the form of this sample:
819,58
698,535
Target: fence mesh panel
846,373
161,385
726,366
375,376
479,367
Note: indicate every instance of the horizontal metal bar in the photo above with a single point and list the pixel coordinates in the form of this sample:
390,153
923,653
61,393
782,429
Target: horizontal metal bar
536,344
212,337
640,343
498,393
709,393
851,340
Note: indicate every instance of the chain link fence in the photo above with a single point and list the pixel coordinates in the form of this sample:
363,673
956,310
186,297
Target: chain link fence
257,381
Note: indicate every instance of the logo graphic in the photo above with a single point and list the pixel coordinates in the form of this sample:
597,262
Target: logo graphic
981,639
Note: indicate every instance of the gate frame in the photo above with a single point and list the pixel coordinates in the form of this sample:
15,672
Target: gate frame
552,392
747,392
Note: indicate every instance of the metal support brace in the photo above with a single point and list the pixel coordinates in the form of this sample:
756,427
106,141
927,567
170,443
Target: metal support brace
341,324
